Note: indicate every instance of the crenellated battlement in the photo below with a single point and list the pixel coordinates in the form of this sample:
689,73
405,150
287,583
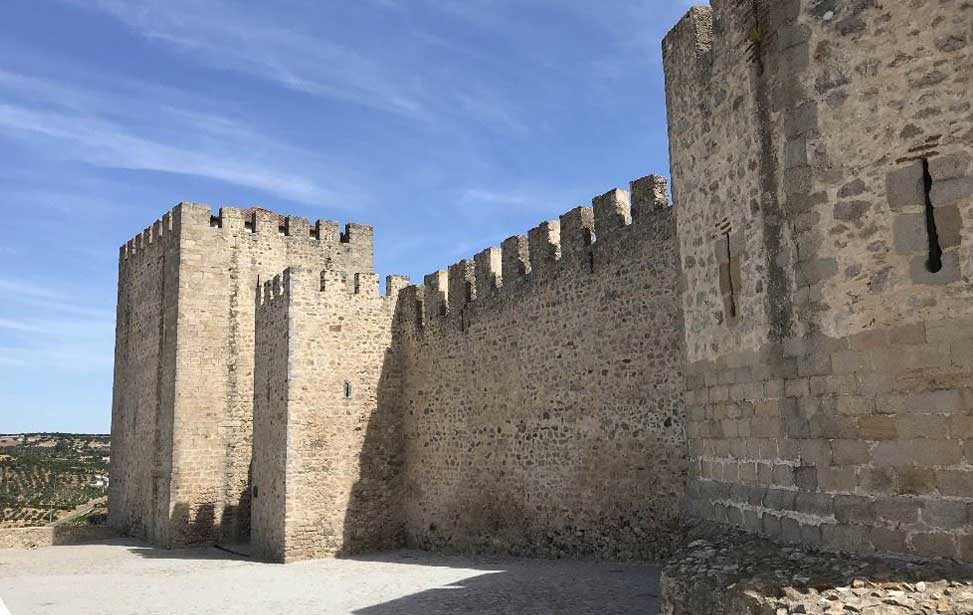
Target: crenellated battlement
692,38
153,235
258,222
327,283
729,36
570,243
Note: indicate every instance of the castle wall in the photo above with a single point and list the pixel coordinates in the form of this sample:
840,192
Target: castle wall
814,145
542,389
205,409
144,382
337,445
271,365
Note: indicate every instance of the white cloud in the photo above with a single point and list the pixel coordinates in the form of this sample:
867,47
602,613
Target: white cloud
109,130
104,144
276,47
18,325
16,288
480,195
221,35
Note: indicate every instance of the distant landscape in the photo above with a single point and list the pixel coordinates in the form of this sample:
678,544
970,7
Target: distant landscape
53,478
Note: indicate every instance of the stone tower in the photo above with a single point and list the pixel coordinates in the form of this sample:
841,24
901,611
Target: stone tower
182,411
821,159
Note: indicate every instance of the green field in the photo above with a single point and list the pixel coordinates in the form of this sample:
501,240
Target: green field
44,477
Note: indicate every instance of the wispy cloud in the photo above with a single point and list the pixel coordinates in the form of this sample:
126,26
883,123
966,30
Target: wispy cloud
375,74
109,145
18,325
224,36
481,196
56,343
16,288
73,123
39,297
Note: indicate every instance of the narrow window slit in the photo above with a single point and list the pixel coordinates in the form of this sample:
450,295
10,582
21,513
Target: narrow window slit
732,291
347,390
934,263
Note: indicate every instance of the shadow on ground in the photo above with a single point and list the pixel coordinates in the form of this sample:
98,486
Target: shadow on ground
525,587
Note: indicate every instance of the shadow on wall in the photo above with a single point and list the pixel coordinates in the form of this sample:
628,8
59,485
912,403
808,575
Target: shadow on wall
193,527
528,587
235,520
374,518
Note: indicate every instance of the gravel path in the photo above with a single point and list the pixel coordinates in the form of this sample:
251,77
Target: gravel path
123,577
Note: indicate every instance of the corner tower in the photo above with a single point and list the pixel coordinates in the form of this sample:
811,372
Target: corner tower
182,410
822,163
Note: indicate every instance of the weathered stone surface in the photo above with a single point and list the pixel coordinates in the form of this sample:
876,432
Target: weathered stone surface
826,165
182,412
781,345
729,573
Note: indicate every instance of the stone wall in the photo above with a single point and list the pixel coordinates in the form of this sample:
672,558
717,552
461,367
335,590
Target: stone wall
271,365
327,448
542,389
52,535
145,346
821,160
183,409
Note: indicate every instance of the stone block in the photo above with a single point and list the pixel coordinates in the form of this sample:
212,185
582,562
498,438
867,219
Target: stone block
853,509
795,152
960,427
612,211
779,499
802,120
837,479
817,504
950,166
955,483
783,475
921,426
949,226
945,514
936,452
850,452
815,452
854,406
897,510
910,234
806,478
908,335
877,480
933,544
888,540
850,538
851,211
932,402
905,186
951,191
916,480
771,525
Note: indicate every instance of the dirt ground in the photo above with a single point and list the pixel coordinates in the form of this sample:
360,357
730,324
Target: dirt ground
123,577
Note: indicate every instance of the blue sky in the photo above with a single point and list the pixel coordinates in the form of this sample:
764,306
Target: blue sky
448,124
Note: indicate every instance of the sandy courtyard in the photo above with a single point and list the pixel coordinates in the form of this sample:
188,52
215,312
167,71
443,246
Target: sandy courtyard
124,577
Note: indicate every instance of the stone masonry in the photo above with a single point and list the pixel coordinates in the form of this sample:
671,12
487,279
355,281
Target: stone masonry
184,363
327,447
822,178
542,391
786,349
